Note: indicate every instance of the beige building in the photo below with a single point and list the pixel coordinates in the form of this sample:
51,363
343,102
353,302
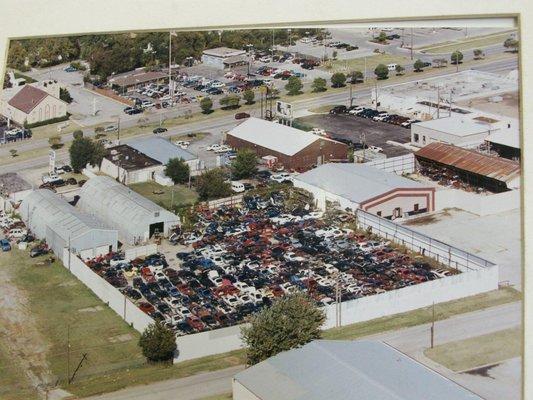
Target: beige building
33,103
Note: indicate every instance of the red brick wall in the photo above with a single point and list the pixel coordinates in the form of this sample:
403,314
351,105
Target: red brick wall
303,160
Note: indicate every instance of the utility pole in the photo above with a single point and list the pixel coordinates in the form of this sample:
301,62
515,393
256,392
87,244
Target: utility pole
364,75
362,139
118,130
438,102
450,104
338,299
376,89
272,44
433,326
411,44
68,353
170,91
69,252
351,96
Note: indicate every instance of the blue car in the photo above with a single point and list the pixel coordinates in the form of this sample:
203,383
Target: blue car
4,243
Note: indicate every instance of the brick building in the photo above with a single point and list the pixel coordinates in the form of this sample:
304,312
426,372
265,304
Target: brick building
295,149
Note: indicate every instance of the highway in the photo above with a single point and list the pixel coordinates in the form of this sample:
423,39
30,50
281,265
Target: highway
411,341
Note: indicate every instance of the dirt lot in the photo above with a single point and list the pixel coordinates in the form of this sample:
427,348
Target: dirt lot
509,106
351,127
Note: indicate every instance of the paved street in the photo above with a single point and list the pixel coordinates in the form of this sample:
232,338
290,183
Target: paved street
411,341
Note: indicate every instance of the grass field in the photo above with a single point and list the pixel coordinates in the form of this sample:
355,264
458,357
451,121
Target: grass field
162,195
227,396
358,64
466,44
478,351
13,383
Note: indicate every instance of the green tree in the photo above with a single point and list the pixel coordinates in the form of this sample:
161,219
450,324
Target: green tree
338,79
418,65
230,101
85,151
177,170
355,77
245,164
13,152
249,96
294,86
319,85
55,142
158,343
65,95
478,53
334,54
213,185
207,105
77,134
290,322
511,44
456,57
399,70
381,71
382,37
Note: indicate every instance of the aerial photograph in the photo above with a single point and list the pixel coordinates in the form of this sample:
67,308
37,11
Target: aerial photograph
306,213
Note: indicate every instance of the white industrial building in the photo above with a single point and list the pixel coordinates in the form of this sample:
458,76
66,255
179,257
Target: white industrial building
135,217
458,131
224,57
354,186
53,219
347,370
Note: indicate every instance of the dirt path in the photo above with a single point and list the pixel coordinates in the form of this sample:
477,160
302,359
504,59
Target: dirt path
20,336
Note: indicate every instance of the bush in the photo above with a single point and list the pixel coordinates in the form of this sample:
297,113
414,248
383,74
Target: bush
47,122
294,86
206,104
212,185
418,65
456,57
249,96
338,80
177,170
77,134
319,85
245,164
381,71
158,343
65,95
230,101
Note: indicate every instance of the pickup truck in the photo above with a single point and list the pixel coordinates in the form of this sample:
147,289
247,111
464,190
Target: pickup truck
50,178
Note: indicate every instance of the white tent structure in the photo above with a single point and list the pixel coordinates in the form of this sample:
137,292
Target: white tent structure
135,217
53,219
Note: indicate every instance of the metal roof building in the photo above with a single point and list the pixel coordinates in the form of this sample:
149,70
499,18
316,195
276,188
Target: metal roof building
135,217
161,149
347,370
361,186
53,219
494,173
294,148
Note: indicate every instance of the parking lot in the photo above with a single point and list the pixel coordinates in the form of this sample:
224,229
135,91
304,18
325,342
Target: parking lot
237,260
344,126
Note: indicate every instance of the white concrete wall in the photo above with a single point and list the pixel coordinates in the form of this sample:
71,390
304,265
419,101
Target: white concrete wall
208,343
398,165
139,251
431,135
107,293
477,204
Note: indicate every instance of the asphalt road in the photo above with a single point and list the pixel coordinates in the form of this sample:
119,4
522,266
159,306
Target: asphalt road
411,341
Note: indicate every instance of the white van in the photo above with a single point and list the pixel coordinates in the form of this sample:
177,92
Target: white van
17,233
392,67
237,187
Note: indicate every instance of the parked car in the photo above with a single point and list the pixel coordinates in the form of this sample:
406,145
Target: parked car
159,130
110,128
242,115
338,110
5,245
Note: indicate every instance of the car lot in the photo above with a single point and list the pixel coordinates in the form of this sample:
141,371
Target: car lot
350,127
237,260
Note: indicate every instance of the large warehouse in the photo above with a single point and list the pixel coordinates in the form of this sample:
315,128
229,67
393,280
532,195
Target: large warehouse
53,219
347,370
459,131
354,186
492,173
295,149
135,217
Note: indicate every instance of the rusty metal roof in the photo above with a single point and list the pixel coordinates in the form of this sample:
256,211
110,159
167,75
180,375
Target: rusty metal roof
498,168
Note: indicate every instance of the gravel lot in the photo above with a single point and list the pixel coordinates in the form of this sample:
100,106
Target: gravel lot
351,127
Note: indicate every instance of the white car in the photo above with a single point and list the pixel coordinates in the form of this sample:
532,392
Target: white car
280,178
110,128
182,143
223,149
213,147
290,256
217,85
50,178
265,59
356,110
375,149
318,131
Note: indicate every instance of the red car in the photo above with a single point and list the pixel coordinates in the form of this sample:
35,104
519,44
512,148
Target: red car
195,323
146,308
242,115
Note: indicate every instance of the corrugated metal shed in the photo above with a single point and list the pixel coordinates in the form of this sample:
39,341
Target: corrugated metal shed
53,219
497,168
160,149
355,182
123,209
348,370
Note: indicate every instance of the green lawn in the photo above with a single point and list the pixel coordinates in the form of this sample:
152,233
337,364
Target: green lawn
478,351
358,64
466,44
13,382
163,196
227,396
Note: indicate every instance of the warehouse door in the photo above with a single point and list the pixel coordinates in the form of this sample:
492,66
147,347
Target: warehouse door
156,228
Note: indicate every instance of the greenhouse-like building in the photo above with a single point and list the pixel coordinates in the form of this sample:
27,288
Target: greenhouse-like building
53,219
135,217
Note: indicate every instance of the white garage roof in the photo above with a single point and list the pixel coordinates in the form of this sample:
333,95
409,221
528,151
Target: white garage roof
160,149
355,182
271,135
457,126
348,370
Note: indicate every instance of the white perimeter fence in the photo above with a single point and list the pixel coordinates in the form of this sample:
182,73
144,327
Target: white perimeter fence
478,276
398,165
